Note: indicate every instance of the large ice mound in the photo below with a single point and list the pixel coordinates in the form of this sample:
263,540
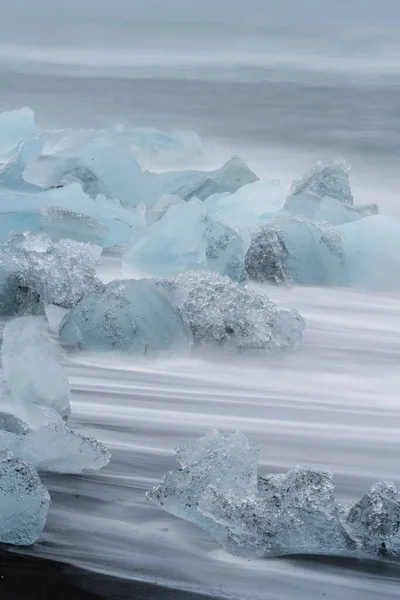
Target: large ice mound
24,502
35,272
33,375
293,250
217,487
222,315
128,315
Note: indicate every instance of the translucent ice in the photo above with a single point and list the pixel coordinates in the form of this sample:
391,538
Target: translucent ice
324,181
217,487
33,373
330,210
132,316
15,126
35,272
372,249
24,502
187,238
288,250
223,315
61,223
56,448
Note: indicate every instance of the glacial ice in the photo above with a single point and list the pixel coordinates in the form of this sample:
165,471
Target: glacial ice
15,127
372,249
61,223
24,502
292,250
35,272
32,372
216,486
187,238
330,210
222,315
128,315
332,181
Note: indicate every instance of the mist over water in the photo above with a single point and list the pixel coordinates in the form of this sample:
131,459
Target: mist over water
282,84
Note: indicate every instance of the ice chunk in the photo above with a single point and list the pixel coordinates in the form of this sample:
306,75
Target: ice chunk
33,373
375,519
54,447
224,316
292,250
34,272
24,502
11,424
201,184
54,316
187,238
156,212
226,460
131,316
60,223
372,249
330,210
15,126
332,181
217,488
249,207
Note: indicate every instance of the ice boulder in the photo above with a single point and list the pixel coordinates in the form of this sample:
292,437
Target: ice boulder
224,316
187,238
217,487
130,316
372,250
33,373
323,180
35,272
24,502
329,210
293,250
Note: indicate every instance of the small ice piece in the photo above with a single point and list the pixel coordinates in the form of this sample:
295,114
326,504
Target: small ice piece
15,126
292,250
32,371
226,460
24,502
34,272
332,180
61,223
55,448
224,316
187,238
11,424
128,315
375,519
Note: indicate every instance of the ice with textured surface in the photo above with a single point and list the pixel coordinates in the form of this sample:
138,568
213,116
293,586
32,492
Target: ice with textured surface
24,502
33,373
332,180
293,250
222,315
128,315
61,223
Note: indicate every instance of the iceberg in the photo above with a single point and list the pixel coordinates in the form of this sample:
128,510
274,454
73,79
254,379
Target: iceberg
187,238
128,315
324,180
224,316
292,250
35,272
32,373
217,487
24,502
